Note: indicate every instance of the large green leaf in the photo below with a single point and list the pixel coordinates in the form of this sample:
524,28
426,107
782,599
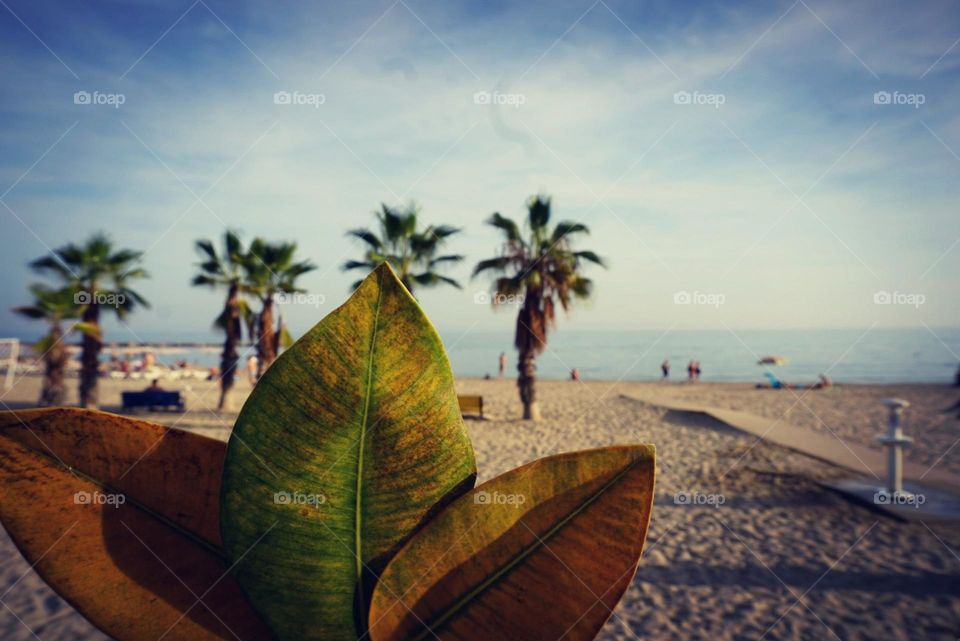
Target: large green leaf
543,552
349,442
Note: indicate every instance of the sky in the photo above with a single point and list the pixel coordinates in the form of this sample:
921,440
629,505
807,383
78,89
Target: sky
743,165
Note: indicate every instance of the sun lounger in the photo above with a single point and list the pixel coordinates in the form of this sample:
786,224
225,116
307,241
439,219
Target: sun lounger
153,400
471,405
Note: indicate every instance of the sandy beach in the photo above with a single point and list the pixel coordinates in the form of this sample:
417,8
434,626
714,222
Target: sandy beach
773,556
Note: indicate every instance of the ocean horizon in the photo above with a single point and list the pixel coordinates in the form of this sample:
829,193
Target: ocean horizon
847,355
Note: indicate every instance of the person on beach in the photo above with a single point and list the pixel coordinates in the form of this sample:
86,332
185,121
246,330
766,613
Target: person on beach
574,374
252,370
690,372
665,368
154,386
696,370
503,364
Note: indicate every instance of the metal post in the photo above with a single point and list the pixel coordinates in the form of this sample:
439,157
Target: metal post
895,442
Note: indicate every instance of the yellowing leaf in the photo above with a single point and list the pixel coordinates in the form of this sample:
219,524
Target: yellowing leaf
542,552
347,444
121,518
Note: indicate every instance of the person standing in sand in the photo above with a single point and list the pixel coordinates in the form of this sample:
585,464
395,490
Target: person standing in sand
252,370
665,368
503,364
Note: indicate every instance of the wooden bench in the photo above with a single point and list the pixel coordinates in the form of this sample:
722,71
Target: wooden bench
471,405
153,400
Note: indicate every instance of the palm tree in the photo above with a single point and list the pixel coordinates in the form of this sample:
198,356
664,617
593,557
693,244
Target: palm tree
270,270
411,253
226,270
53,306
99,275
538,271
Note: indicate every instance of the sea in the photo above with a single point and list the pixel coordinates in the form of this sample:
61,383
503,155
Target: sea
924,355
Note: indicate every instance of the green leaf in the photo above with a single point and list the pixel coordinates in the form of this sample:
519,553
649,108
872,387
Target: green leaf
352,439
543,552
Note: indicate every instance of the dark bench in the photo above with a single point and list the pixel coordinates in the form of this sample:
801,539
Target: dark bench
471,405
153,400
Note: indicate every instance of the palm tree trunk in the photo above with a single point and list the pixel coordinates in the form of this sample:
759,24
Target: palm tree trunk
527,384
54,391
229,357
90,359
265,351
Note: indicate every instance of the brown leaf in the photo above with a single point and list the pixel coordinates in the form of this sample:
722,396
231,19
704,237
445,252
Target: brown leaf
121,518
542,552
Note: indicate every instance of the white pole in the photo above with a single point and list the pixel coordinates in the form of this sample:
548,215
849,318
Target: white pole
14,359
895,442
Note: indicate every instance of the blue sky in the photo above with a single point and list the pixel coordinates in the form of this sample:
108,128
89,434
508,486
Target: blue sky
795,199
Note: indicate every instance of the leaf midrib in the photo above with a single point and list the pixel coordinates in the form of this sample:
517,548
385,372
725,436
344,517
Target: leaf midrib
358,507
111,489
530,549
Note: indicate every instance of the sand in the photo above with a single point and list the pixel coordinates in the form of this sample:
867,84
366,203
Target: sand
781,558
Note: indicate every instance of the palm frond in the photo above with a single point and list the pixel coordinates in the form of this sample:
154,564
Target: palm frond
366,236
443,231
566,228
358,264
432,278
206,247
509,228
30,311
449,258
590,256
498,264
